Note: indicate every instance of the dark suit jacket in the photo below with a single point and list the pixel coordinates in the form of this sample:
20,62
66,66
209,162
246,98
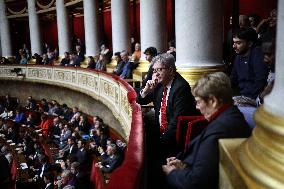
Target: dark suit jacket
110,163
66,150
50,186
180,103
202,155
82,156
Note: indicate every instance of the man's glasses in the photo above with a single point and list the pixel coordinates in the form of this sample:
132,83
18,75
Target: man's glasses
158,70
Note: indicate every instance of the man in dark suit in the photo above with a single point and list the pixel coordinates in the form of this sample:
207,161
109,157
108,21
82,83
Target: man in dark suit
120,64
48,178
112,160
82,154
171,95
70,149
177,100
82,179
128,66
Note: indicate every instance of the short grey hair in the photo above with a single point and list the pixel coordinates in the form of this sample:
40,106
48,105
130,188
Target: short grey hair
216,84
166,59
66,173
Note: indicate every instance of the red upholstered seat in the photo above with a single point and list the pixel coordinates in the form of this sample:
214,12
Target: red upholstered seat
189,127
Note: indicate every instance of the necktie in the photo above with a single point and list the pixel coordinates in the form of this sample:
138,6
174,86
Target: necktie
164,122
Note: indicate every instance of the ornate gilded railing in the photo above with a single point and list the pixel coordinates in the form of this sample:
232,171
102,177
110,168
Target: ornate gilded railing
116,94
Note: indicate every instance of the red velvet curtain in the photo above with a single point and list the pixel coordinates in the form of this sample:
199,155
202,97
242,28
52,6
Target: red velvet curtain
49,33
79,28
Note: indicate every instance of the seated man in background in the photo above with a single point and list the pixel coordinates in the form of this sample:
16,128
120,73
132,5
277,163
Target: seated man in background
150,53
128,66
120,64
249,72
198,166
112,160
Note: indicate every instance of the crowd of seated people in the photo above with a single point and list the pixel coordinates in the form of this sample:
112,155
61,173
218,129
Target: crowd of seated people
36,127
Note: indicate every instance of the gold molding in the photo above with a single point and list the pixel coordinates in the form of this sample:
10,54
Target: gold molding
17,12
45,6
262,155
192,74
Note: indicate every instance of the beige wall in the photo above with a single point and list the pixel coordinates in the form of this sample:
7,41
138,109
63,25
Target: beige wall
72,98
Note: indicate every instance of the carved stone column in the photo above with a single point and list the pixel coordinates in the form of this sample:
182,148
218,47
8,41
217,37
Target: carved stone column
34,28
153,31
198,37
64,42
5,31
120,20
258,162
92,33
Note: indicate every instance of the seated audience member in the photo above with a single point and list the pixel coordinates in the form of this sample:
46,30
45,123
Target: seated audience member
44,165
198,166
31,121
66,60
74,60
70,149
13,134
82,180
267,28
4,114
172,49
101,63
112,161
135,57
66,113
57,110
150,53
20,116
45,60
128,66
249,72
91,63
268,49
45,125
100,138
106,52
38,58
24,59
254,20
82,154
26,51
48,179
50,54
84,125
79,53
4,61
65,134
67,180
18,56
120,64
31,103
56,53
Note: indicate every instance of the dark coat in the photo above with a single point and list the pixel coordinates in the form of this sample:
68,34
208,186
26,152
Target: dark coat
180,103
110,163
202,155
